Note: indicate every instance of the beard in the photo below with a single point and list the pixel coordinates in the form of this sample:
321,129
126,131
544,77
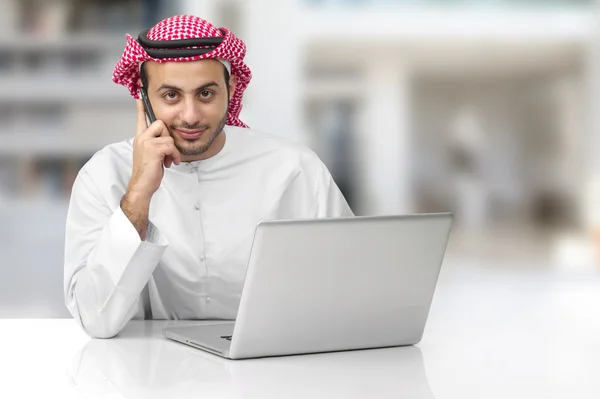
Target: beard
200,145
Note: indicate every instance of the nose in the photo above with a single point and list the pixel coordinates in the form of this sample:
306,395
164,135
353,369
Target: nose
190,114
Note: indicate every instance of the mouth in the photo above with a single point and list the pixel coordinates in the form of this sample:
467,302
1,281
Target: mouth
190,134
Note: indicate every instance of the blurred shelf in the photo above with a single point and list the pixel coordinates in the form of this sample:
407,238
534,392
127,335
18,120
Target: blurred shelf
31,144
61,88
368,24
64,69
77,41
18,203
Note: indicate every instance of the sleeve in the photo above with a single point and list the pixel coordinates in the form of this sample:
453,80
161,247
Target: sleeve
106,264
330,200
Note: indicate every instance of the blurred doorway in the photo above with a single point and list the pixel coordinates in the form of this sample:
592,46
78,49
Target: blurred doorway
500,151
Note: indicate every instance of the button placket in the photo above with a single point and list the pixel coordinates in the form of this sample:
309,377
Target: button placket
202,257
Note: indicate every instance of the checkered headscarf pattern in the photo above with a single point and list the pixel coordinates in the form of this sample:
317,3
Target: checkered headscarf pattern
179,27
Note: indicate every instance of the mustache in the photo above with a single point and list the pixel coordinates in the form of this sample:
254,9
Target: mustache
195,126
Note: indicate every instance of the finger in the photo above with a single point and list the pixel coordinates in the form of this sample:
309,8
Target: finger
163,140
165,132
161,143
141,118
168,150
156,129
168,160
174,154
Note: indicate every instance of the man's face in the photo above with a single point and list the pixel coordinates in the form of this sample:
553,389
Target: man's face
191,99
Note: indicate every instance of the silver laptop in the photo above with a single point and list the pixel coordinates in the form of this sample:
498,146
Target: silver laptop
334,284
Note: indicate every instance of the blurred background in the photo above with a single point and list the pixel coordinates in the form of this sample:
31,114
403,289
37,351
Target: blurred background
485,108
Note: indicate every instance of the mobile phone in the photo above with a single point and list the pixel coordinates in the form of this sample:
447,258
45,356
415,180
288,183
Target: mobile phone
147,107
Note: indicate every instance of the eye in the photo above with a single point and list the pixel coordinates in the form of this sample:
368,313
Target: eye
171,95
206,94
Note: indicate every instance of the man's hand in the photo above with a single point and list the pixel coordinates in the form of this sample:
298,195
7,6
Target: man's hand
153,149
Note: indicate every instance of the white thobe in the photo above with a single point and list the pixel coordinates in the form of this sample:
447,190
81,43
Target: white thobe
202,220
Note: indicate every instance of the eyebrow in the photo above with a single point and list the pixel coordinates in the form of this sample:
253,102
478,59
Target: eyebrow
175,88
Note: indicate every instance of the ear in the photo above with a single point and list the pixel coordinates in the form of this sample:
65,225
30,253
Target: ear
139,82
233,80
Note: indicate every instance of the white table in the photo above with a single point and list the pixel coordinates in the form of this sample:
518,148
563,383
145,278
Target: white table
491,334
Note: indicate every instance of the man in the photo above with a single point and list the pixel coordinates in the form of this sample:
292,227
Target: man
161,225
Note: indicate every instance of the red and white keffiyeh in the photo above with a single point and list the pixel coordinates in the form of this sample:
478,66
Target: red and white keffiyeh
179,27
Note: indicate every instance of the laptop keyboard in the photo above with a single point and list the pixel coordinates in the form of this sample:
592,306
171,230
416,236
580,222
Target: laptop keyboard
227,337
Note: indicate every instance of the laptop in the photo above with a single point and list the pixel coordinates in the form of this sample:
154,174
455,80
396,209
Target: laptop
331,284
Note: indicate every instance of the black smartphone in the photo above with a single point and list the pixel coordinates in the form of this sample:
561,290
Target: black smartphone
147,106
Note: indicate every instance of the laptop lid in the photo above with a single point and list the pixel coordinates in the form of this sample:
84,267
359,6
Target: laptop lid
323,285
